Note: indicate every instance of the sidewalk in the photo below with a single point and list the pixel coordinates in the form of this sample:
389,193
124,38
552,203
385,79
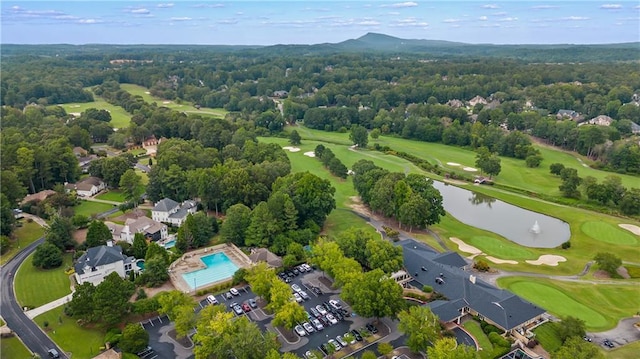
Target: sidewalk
36,219
49,306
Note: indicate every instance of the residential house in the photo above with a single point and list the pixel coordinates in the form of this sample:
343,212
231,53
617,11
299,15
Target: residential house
151,229
635,128
568,114
85,161
264,255
79,152
477,100
447,274
87,187
172,212
280,94
455,103
37,197
602,120
98,262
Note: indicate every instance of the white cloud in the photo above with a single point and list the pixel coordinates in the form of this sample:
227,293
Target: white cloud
89,21
140,11
490,6
483,18
499,13
544,7
393,13
451,21
402,4
409,22
182,18
508,19
227,22
208,5
611,6
165,5
575,18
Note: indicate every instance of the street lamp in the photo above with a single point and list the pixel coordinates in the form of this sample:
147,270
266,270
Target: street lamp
506,325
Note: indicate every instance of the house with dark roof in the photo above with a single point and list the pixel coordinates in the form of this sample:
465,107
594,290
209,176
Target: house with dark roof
98,262
570,114
172,212
264,255
448,274
87,187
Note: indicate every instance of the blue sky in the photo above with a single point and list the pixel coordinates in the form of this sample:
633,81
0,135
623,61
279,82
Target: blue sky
312,22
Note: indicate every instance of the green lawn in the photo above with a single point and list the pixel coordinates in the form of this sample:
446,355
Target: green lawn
608,233
12,348
548,337
600,306
112,195
91,209
35,287
501,248
119,117
144,175
80,342
629,351
184,106
476,331
25,235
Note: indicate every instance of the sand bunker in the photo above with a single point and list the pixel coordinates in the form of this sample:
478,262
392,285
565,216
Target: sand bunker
453,164
147,92
166,102
470,169
291,149
465,247
548,259
501,261
631,228
310,154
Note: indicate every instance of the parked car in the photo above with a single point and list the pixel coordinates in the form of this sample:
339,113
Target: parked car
335,344
314,312
317,324
252,303
339,316
587,338
372,328
321,309
324,321
228,295
234,291
297,297
608,343
342,342
296,288
300,330
323,348
332,319
53,353
304,295
335,304
246,307
308,327
233,304
316,290
212,300
356,334
310,355
295,271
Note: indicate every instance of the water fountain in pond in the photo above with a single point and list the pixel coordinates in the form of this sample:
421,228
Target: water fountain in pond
535,228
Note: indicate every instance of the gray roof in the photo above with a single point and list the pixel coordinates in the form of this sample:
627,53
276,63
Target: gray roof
165,205
183,211
99,256
500,306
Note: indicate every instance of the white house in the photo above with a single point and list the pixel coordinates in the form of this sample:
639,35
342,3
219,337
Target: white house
99,262
172,212
87,187
151,229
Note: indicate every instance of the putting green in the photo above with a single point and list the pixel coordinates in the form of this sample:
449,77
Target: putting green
607,233
500,249
555,301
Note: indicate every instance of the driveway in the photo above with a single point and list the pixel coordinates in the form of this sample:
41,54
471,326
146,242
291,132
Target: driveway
624,333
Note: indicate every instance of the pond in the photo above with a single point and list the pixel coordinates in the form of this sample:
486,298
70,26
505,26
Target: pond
524,227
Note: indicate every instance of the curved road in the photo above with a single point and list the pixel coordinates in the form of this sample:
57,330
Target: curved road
28,331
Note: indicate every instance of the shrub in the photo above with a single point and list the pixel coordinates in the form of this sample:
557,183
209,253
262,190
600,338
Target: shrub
113,336
498,340
489,328
566,245
385,348
481,265
5,244
47,256
141,294
134,338
427,288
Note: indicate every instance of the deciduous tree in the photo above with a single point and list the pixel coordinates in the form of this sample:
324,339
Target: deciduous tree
47,256
421,327
131,185
294,138
608,262
383,255
359,136
235,225
134,338
447,348
290,314
139,246
111,298
578,348
571,327
98,234
373,294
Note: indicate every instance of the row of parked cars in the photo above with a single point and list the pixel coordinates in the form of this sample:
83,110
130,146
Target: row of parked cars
321,316
245,307
341,341
288,275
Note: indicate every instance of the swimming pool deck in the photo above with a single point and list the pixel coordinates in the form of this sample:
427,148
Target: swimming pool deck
190,262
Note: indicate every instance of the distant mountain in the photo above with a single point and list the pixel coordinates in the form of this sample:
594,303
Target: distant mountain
375,41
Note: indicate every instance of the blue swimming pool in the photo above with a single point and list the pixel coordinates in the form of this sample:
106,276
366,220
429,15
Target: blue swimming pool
170,244
219,267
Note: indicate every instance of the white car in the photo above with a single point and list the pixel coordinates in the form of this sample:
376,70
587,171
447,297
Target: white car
335,304
332,319
321,309
342,342
317,324
234,291
300,330
335,344
297,297
212,300
304,295
296,288
308,327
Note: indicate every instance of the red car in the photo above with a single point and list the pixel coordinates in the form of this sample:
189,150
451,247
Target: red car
246,307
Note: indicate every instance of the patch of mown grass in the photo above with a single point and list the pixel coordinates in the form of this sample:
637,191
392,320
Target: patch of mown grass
119,117
476,331
608,233
502,249
26,234
181,105
600,306
112,195
548,336
629,351
634,271
66,332
35,287
91,209
12,347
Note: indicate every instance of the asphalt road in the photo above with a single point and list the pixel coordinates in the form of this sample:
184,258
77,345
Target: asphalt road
32,336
